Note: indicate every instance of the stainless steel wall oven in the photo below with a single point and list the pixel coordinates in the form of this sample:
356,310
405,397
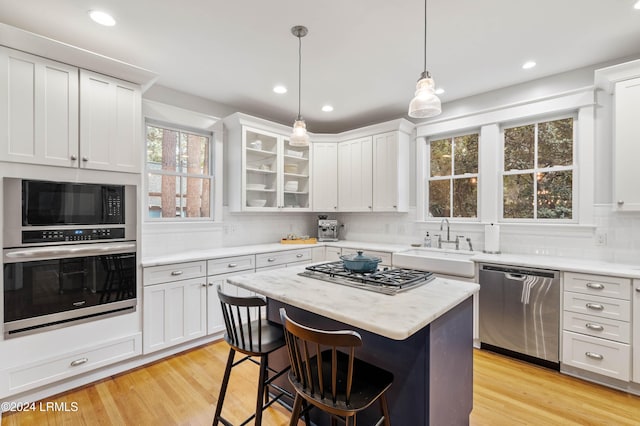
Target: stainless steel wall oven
69,253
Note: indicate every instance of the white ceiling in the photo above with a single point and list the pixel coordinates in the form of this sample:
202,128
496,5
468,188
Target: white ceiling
361,56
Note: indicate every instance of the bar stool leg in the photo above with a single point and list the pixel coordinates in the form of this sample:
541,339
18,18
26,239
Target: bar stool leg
295,412
262,377
223,388
385,410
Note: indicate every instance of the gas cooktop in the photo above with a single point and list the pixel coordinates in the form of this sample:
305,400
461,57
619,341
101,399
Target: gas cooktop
386,280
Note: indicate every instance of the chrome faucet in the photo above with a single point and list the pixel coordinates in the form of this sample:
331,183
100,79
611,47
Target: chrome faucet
441,226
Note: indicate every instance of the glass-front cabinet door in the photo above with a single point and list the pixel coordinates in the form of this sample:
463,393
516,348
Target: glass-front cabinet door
275,174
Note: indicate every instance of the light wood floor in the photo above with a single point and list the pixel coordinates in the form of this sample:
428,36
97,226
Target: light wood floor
182,391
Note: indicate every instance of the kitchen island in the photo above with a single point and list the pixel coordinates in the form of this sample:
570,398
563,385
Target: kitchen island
424,336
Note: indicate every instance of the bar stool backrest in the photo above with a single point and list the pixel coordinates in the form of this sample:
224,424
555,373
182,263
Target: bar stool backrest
243,319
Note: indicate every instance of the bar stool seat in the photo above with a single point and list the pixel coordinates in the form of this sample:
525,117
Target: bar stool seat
248,332
331,380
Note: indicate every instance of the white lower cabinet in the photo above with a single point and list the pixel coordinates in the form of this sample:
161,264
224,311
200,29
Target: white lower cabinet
51,369
636,331
175,309
596,322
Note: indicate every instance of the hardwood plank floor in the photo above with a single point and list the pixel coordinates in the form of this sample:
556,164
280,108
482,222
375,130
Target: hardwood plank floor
182,390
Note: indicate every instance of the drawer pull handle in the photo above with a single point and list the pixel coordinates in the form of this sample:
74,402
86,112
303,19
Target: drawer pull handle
79,303
271,259
596,327
78,362
595,286
595,306
299,255
176,273
594,355
232,265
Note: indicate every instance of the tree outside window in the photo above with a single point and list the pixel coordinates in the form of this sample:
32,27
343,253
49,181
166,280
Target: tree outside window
538,170
179,174
453,177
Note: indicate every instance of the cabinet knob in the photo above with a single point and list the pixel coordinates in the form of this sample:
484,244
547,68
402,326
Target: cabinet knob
638,289
74,157
299,255
370,207
204,284
620,202
85,159
335,207
271,259
210,284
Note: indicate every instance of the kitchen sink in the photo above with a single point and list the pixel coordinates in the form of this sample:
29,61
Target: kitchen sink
441,261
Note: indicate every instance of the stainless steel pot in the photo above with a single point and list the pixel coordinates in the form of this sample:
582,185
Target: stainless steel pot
360,263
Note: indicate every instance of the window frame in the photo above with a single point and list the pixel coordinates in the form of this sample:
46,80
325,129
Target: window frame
451,177
575,202
211,176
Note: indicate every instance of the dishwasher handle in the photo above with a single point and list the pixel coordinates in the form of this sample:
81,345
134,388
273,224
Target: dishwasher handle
515,277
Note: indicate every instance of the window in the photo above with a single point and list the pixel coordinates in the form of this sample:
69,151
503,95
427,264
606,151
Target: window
453,177
180,181
538,170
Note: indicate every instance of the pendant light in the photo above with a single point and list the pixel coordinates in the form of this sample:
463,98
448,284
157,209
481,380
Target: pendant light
299,137
425,103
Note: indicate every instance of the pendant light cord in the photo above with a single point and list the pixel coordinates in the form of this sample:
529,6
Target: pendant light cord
300,73
425,36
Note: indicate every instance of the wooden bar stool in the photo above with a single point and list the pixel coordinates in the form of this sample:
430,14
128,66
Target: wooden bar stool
336,382
249,333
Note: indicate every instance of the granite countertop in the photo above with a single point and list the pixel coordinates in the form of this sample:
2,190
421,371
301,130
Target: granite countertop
396,317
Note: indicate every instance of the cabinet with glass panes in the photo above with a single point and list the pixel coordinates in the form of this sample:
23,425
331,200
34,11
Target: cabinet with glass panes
271,175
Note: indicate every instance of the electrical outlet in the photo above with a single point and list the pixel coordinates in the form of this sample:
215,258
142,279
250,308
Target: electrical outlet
601,238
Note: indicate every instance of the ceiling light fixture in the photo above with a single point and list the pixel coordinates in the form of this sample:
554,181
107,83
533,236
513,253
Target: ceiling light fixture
327,108
637,5
102,18
425,103
280,89
528,65
299,137
439,91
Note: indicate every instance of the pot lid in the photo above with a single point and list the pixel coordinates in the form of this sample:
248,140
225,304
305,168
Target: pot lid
360,257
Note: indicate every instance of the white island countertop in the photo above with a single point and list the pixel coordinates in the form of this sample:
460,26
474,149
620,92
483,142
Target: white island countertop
396,317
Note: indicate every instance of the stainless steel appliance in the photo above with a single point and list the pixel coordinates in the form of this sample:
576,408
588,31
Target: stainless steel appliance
520,312
386,280
69,253
327,229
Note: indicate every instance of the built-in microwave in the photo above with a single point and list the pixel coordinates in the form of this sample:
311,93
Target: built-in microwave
44,212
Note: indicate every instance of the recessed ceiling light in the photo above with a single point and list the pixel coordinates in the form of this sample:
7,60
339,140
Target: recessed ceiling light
280,89
637,5
102,18
528,65
327,108
439,91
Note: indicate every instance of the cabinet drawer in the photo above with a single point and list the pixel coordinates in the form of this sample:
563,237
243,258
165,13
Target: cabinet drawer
230,264
600,356
604,307
173,272
282,257
70,364
620,331
598,285
386,257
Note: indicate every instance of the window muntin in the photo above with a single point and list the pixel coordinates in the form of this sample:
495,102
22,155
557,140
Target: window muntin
179,179
453,177
538,171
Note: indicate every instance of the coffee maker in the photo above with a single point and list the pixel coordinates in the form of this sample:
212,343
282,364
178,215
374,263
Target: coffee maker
327,229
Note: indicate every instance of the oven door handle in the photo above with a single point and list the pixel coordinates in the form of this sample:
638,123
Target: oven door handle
57,252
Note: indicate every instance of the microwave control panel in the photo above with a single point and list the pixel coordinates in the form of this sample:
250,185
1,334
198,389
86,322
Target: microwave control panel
71,235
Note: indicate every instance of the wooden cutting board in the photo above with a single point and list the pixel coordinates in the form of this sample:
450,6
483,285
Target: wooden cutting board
299,241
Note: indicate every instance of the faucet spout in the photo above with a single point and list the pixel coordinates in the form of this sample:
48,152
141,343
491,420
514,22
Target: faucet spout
442,225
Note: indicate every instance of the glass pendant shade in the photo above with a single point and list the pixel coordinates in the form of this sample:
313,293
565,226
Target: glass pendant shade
299,137
425,103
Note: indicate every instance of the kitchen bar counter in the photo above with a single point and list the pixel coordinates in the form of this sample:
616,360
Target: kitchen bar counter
424,336
396,317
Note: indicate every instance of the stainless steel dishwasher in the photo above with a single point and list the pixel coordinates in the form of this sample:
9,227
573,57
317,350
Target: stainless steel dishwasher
520,312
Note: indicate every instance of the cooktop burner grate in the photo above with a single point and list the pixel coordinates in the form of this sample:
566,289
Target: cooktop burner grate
387,281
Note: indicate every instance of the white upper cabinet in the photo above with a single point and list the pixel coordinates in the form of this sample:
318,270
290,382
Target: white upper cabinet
110,123
391,172
38,110
325,177
355,175
626,145
55,114
265,173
